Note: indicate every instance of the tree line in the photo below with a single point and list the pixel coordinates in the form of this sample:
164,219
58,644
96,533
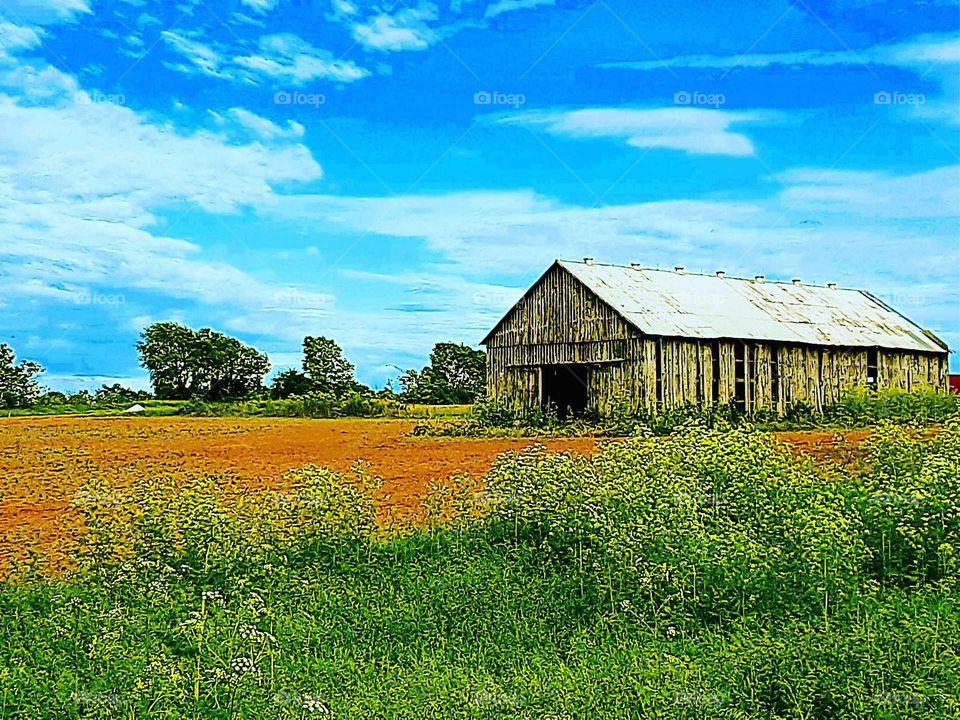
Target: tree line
209,366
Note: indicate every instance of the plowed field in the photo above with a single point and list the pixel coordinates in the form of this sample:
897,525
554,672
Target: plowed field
45,461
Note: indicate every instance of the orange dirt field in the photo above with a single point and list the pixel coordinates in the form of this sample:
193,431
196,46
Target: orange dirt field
44,461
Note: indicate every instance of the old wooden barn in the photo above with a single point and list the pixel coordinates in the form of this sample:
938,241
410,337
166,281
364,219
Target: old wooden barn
589,336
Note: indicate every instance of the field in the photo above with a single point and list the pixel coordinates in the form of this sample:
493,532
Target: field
45,462
194,568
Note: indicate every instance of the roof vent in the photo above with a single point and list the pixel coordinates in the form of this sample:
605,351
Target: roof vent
721,274
636,266
588,261
832,286
678,268
759,278
796,281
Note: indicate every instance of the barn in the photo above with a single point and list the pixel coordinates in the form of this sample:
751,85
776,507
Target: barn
591,336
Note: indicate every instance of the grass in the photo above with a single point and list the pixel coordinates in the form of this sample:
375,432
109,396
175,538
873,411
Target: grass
856,409
303,408
706,574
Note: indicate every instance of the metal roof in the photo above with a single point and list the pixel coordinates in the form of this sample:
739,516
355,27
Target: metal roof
682,304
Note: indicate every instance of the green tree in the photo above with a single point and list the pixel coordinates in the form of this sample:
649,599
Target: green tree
204,364
456,375
117,394
330,371
290,382
18,385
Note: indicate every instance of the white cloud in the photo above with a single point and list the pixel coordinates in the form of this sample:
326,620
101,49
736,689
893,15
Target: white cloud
917,51
825,226
930,194
43,12
290,58
285,57
505,6
696,131
264,128
260,6
81,189
407,29
344,7
16,37
202,57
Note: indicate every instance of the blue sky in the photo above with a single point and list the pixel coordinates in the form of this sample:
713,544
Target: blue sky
395,174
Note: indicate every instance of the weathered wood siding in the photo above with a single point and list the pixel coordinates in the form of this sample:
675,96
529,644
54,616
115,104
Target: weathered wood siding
562,322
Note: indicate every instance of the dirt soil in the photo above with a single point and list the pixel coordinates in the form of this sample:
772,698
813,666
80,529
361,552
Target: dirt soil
44,461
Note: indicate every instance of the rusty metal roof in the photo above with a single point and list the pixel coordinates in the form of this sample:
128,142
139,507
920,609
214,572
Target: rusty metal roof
682,304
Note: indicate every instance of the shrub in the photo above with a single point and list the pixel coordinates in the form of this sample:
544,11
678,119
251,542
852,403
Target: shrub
858,408
703,526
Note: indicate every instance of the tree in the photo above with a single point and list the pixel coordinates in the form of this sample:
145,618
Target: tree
290,382
456,375
329,370
117,394
204,364
18,386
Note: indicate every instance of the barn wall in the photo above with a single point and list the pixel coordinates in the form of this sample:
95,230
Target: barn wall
560,321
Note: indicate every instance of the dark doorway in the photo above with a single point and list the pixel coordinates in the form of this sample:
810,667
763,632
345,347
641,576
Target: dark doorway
740,376
565,386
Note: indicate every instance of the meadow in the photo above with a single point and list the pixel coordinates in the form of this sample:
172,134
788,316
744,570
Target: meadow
714,572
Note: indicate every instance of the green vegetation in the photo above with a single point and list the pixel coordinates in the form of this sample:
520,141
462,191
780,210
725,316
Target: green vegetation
323,405
185,363
858,408
203,372
18,384
705,574
456,375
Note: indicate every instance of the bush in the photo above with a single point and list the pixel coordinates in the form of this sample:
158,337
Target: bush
858,408
703,526
706,574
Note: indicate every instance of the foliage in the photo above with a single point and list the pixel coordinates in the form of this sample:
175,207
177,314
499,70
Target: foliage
289,383
858,408
117,394
321,405
706,574
456,376
18,385
330,371
204,364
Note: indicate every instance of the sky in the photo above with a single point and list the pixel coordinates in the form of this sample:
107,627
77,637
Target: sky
396,174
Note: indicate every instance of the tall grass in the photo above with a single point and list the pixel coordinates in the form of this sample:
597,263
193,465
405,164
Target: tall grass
857,408
707,574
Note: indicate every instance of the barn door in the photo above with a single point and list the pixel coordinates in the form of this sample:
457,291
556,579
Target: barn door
566,388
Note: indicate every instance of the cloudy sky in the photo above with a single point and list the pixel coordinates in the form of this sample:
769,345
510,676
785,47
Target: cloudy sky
393,174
